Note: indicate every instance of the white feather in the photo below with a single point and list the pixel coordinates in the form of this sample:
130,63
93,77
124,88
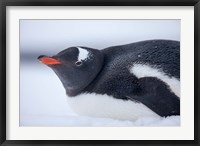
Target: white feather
143,70
83,54
105,106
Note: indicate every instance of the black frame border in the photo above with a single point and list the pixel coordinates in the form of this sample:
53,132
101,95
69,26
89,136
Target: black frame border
5,3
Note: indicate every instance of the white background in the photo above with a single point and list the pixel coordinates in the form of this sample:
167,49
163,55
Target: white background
150,31
51,36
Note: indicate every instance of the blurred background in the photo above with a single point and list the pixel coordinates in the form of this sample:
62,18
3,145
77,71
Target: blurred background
42,97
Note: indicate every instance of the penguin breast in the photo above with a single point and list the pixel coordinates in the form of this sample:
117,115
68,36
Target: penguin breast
104,106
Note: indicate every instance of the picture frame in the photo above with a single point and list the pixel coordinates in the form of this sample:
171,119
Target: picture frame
102,3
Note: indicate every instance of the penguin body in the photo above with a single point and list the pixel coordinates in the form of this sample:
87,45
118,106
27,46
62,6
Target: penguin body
122,82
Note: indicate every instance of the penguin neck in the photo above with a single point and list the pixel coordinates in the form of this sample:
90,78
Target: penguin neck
72,92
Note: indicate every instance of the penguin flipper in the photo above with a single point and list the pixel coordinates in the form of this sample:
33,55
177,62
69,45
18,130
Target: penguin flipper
156,95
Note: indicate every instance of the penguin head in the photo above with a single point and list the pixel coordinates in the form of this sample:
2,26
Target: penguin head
76,67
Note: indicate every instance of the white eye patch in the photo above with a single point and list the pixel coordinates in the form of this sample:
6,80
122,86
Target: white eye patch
83,54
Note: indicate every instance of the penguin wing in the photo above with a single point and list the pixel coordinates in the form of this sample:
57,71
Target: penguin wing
156,95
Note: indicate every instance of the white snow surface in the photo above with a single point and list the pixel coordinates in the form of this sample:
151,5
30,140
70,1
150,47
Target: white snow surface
43,102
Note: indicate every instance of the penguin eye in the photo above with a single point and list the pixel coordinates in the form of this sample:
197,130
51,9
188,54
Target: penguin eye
78,63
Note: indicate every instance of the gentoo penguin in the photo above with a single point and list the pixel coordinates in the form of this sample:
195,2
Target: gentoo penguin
123,82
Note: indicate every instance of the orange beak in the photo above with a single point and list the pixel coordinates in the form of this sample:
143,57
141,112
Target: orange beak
48,60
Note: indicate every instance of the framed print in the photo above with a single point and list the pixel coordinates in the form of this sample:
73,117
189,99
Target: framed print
103,72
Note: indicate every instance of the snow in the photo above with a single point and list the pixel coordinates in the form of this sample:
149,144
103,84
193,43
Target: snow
68,120
43,103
